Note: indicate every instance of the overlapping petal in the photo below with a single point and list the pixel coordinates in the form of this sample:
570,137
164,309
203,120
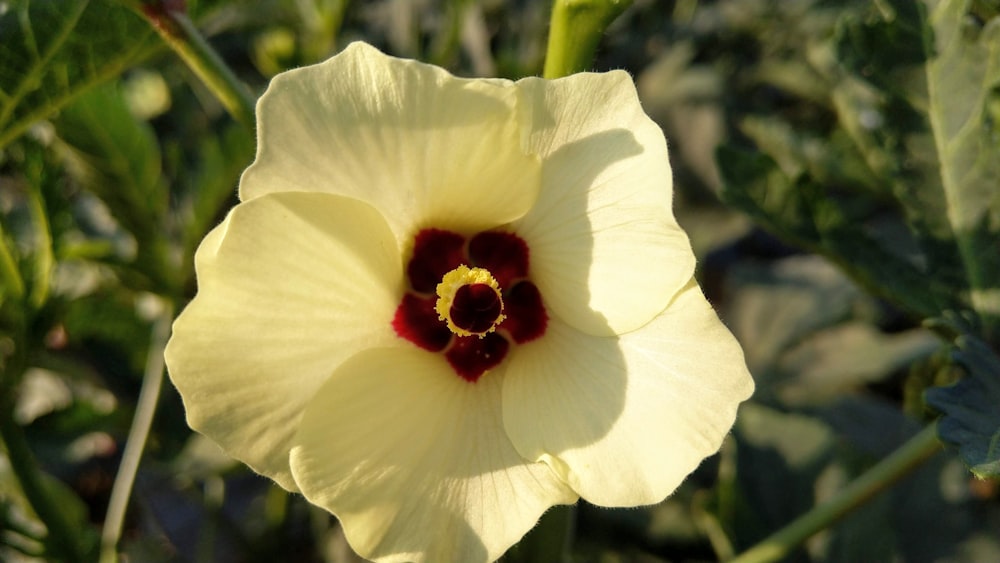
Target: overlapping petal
289,360
415,461
624,419
605,248
290,285
422,146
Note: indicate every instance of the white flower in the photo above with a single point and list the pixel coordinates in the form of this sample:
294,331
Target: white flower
445,305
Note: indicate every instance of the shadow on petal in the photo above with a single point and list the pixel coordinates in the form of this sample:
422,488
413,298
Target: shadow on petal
561,243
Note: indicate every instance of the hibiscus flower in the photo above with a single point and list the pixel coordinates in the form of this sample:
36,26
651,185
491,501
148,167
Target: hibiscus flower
444,305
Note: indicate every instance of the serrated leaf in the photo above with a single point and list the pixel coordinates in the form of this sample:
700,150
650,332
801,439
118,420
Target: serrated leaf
877,104
971,419
53,50
964,84
920,98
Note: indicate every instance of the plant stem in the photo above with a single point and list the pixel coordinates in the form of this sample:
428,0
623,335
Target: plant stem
177,30
61,536
575,30
10,277
121,490
883,475
44,261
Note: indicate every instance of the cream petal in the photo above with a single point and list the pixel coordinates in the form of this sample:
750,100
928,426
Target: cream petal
624,419
606,251
415,462
290,285
422,146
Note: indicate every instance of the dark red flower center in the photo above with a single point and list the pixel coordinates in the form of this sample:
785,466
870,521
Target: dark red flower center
507,310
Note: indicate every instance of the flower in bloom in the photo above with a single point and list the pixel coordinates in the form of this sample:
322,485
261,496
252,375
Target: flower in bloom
444,305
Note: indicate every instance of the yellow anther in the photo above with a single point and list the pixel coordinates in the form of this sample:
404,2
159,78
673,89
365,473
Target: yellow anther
475,310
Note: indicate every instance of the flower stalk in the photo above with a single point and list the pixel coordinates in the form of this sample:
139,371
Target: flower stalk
171,21
883,475
152,382
575,30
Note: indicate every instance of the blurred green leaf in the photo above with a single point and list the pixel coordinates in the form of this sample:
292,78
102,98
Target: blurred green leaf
20,517
971,420
802,212
847,357
117,157
832,160
796,449
775,307
53,50
106,325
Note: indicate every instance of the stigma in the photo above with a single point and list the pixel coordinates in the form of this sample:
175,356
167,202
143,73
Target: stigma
470,301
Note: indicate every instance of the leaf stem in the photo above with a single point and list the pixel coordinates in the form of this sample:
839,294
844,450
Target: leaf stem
121,490
61,535
575,30
884,474
181,35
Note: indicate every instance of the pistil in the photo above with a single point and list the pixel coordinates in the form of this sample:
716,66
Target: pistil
470,301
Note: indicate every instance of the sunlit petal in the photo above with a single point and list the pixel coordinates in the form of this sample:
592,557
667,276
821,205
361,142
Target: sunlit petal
290,285
422,146
415,461
625,419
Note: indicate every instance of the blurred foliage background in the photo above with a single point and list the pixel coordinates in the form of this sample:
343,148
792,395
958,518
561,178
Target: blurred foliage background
826,174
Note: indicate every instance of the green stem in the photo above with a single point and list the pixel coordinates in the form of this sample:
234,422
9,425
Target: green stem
575,30
883,475
10,276
121,490
43,252
61,536
177,30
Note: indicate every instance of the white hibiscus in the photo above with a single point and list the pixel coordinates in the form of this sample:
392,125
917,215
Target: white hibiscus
445,305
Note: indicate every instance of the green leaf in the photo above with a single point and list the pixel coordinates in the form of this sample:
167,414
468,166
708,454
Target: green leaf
971,420
26,521
53,50
117,157
921,98
801,212
963,76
